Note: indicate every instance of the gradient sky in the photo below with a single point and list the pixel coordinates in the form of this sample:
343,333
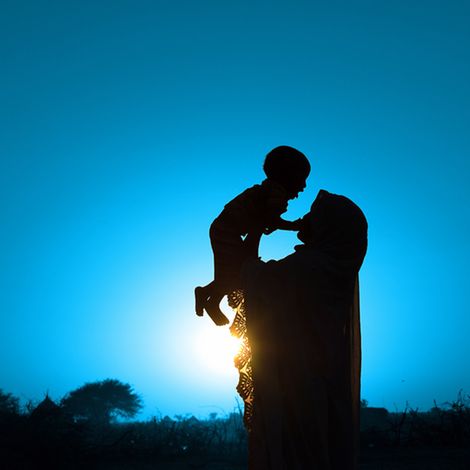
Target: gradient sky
125,126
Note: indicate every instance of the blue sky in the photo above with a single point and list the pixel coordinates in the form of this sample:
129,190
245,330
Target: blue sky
126,126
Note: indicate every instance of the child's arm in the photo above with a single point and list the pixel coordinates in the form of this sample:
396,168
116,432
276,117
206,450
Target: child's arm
281,224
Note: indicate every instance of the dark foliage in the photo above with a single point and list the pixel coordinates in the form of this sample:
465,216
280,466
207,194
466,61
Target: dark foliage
47,436
444,426
9,405
101,402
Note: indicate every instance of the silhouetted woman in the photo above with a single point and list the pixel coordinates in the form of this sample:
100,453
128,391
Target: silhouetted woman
302,323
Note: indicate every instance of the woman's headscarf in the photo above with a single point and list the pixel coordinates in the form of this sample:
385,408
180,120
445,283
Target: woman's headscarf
336,227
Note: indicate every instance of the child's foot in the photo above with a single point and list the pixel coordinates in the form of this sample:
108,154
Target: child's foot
213,310
201,300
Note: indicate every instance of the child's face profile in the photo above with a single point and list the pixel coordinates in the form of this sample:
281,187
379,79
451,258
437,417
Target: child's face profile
296,187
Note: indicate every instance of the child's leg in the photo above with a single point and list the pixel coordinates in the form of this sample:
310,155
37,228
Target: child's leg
226,245
201,295
213,309
209,298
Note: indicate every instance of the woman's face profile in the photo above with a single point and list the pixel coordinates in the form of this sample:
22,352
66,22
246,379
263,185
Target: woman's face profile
305,234
309,223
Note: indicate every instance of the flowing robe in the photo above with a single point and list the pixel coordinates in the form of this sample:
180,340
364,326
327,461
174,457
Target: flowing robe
302,319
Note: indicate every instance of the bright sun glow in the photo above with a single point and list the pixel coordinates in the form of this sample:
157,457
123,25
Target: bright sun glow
216,348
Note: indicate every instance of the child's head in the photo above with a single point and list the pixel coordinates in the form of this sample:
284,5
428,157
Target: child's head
288,167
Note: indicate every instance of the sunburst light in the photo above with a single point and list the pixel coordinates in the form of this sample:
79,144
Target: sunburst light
216,348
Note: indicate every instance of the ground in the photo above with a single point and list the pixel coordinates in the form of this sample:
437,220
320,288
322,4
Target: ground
371,459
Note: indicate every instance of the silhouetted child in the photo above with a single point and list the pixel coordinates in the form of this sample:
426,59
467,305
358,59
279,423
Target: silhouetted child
235,234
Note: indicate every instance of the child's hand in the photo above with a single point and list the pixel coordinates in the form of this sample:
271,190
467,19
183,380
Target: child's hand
281,224
297,225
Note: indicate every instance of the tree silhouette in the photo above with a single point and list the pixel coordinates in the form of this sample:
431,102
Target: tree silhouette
102,402
8,403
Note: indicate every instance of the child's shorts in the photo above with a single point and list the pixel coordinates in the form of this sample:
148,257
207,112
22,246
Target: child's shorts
229,254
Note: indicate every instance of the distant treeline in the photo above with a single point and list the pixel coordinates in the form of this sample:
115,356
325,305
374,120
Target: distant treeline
83,427
447,425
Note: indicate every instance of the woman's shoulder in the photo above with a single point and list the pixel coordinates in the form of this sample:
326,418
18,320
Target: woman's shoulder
302,256
303,263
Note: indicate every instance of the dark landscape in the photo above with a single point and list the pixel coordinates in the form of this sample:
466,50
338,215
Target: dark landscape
83,430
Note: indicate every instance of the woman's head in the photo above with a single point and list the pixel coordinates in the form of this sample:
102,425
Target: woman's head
335,225
288,167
